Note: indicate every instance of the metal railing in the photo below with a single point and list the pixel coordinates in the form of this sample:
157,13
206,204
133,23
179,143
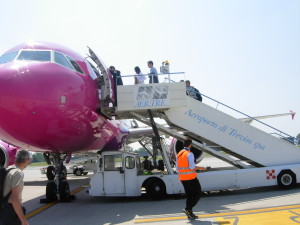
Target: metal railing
250,117
166,76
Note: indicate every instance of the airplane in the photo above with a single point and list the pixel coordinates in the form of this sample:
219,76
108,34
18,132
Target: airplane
50,103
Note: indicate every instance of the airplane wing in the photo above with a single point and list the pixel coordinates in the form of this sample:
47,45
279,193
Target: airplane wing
250,119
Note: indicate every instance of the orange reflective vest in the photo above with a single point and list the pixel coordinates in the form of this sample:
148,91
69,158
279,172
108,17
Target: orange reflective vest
184,172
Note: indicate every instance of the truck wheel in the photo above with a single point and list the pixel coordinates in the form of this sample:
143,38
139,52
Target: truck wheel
286,179
50,173
78,172
156,189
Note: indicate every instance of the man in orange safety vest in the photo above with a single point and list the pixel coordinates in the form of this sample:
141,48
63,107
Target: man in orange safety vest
188,177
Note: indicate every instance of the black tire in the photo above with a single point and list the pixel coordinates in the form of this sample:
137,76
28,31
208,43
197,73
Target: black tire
75,169
155,189
78,172
286,179
51,191
50,172
64,172
64,191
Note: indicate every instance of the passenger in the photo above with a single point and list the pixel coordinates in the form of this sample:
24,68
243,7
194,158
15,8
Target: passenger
140,78
117,80
116,75
14,212
188,177
193,92
153,78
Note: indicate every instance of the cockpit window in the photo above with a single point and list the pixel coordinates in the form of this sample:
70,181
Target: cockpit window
35,55
8,57
60,59
75,65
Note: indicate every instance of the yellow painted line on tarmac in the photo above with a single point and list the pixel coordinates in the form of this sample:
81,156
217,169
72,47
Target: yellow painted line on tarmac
44,207
266,216
284,216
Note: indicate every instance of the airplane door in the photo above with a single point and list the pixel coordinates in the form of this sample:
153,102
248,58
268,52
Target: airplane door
107,92
114,177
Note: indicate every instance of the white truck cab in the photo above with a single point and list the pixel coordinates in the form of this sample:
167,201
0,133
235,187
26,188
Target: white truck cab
120,173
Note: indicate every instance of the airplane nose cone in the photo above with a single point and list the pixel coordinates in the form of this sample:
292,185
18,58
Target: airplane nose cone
38,101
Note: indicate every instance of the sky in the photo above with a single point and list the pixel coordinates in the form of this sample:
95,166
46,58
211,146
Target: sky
245,54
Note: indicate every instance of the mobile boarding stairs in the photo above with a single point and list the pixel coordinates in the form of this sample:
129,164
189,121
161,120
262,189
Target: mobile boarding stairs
212,130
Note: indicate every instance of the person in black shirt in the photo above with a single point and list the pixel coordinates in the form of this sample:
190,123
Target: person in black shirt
117,80
193,92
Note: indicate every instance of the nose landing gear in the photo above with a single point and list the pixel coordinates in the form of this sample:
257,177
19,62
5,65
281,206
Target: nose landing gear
59,185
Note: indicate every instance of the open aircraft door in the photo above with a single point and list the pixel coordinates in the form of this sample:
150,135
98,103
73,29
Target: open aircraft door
105,80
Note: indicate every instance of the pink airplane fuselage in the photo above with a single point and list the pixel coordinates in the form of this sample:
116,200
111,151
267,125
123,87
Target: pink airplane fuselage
45,106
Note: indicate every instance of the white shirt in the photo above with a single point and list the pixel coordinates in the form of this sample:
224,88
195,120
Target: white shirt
141,78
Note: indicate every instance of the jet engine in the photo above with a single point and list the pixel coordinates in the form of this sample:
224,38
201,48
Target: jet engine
177,145
7,154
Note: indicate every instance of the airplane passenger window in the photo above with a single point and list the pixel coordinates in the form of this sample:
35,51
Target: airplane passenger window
61,60
75,65
35,55
8,57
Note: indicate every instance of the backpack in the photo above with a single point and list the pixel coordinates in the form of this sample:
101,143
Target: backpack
3,173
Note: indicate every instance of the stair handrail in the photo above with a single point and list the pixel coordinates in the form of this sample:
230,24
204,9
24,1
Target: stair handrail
250,117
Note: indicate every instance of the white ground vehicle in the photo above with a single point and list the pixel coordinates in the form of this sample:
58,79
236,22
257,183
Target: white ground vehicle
120,174
263,159
76,169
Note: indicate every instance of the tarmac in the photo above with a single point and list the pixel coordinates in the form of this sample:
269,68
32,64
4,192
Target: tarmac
261,206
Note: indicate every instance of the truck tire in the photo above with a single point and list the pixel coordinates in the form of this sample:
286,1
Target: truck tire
286,179
78,172
155,189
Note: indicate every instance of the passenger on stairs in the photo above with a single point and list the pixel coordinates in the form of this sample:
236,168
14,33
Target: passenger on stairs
117,80
140,77
116,75
193,92
153,78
